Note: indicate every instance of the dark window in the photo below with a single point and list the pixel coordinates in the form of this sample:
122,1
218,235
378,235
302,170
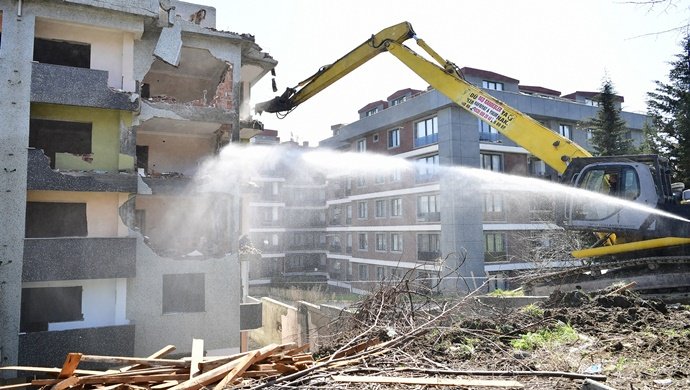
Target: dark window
65,53
60,137
428,247
183,293
143,157
41,306
52,219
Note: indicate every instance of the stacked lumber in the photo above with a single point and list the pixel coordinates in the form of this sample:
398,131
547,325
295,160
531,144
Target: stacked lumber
157,372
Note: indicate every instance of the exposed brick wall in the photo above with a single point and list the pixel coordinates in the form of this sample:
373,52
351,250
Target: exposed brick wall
224,93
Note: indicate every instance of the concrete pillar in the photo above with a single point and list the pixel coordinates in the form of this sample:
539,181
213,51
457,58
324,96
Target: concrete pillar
16,53
462,238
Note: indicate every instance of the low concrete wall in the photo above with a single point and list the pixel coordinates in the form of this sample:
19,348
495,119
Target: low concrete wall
280,324
304,322
300,323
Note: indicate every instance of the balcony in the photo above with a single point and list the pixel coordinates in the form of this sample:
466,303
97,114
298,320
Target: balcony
428,256
41,177
67,85
542,215
429,217
47,259
49,348
426,178
494,216
271,248
426,140
489,137
270,223
493,257
335,248
307,247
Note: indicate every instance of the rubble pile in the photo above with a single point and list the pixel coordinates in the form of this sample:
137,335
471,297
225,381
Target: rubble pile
403,335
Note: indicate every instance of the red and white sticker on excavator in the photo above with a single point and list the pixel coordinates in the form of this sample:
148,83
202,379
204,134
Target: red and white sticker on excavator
488,110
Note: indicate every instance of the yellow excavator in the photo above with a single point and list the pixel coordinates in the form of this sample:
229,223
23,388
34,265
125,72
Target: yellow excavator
643,179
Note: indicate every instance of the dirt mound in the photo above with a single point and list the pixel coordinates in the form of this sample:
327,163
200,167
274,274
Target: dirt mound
633,342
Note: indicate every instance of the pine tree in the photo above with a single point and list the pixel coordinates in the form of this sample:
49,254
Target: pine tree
651,144
608,128
669,109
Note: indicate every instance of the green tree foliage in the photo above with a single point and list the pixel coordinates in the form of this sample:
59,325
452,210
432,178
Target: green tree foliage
669,109
608,128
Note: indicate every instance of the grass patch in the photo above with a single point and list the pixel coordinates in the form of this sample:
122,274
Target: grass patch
507,293
533,311
561,334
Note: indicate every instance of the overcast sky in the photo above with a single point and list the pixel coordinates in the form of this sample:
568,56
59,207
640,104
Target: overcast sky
562,45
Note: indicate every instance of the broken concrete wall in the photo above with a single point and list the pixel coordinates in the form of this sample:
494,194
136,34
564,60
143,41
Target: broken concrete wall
178,225
222,64
280,323
16,53
302,323
199,14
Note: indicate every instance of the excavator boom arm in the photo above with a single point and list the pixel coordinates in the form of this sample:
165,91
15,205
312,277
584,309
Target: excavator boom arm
329,74
554,149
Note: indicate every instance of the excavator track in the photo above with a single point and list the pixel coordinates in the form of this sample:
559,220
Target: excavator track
623,270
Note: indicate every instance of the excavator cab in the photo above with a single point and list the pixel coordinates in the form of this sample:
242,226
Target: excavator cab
630,190
613,182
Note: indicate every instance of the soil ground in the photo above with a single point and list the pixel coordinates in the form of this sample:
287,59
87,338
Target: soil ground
635,343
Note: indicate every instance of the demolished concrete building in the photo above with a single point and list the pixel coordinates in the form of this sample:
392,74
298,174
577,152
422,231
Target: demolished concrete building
110,108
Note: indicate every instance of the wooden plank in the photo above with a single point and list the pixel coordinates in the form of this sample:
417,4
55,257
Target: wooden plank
71,363
143,371
110,387
218,373
238,370
197,356
90,380
165,385
429,381
158,354
53,370
207,377
297,350
66,383
15,386
302,358
259,373
353,350
285,368
212,363
132,360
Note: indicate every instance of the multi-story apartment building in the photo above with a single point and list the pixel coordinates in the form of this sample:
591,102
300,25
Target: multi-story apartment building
285,218
389,223
107,246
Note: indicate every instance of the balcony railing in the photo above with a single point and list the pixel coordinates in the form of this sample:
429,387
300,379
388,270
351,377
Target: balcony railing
492,257
489,137
426,140
426,177
429,217
74,86
428,256
78,258
115,340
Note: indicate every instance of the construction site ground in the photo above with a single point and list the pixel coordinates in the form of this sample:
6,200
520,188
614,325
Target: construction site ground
613,336
402,336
